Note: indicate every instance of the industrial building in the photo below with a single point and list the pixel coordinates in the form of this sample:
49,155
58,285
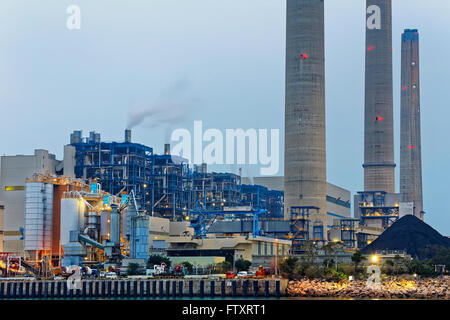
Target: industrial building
410,137
117,166
305,145
257,196
42,224
14,171
175,239
98,227
338,199
170,186
376,211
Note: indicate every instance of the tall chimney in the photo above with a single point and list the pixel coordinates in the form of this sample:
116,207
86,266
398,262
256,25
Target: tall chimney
379,166
167,149
305,145
128,136
410,139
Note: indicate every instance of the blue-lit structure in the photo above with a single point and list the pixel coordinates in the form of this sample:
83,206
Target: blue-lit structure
117,166
170,187
261,197
215,191
164,185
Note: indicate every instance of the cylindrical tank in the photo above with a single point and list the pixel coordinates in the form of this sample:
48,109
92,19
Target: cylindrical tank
34,216
70,214
139,247
104,228
114,226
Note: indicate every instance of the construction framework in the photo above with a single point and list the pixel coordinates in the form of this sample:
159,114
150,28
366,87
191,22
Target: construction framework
118,167
348,232
263,198
374,208
170,187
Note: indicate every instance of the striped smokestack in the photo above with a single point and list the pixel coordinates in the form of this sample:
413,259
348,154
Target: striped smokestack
410,140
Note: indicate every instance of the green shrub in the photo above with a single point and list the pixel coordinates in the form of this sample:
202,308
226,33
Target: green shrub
188,266
242,265
312,272
133,269
157,259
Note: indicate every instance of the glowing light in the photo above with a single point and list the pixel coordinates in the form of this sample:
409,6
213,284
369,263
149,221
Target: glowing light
304,56
411,147
379,118
374,258
370,48
404,88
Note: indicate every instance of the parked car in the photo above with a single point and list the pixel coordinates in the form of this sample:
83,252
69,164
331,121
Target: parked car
111,275
242,274
229,274
102,274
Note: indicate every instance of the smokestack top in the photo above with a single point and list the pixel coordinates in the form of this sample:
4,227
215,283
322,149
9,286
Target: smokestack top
167,149
410,34
128,136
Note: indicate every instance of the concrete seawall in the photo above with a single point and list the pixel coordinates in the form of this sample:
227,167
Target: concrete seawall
144,288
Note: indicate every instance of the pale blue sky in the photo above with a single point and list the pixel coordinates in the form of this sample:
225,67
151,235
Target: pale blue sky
231,56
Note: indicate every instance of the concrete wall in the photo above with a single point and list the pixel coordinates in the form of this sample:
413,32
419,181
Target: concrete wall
180,228
305,146
14,171
338,203
143,288
69,161
198,261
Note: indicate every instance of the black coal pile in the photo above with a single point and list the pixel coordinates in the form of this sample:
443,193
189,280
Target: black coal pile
408,233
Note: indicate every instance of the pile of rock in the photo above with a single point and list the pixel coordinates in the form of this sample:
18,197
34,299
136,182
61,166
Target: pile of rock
390,289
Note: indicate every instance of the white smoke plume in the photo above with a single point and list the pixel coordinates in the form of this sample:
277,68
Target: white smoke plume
168,110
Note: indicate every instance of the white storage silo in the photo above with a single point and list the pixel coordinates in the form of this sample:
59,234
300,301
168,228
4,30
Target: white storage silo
38,216
34,216
70,212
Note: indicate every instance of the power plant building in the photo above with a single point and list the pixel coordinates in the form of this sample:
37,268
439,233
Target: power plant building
338,198
305,187
410,138
14,172
117,166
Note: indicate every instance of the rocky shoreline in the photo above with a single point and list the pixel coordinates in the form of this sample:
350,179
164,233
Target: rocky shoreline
437,288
